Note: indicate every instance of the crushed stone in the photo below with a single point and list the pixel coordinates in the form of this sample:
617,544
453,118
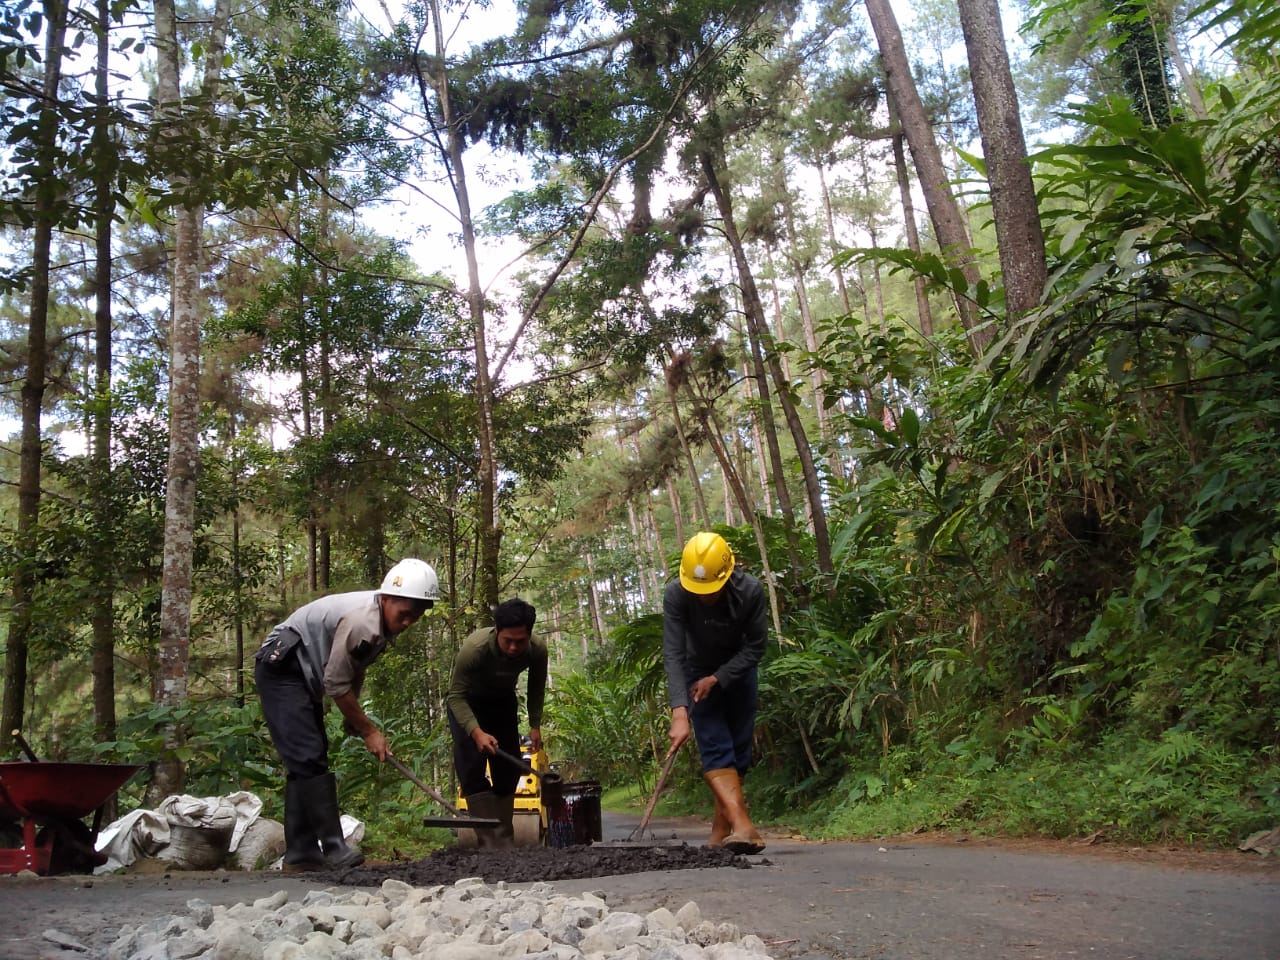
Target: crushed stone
468,919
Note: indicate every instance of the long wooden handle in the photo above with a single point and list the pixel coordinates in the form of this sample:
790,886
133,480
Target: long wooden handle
26,747
548,777
431,792
662,780
516,761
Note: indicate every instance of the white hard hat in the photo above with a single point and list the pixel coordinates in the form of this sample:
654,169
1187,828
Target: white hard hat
411,578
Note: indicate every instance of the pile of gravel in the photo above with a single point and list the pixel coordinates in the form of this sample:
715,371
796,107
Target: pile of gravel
466,920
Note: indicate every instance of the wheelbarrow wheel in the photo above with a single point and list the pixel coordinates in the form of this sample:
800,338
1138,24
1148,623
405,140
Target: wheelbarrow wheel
527,829
467,839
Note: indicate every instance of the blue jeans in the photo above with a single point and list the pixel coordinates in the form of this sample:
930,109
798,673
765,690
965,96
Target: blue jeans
724,724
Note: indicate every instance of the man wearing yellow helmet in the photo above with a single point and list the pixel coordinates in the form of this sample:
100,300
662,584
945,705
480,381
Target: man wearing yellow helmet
714,626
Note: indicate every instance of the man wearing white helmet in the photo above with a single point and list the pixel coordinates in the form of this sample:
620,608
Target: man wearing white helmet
323,649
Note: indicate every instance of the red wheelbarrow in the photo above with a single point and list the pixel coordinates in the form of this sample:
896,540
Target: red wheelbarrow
55,796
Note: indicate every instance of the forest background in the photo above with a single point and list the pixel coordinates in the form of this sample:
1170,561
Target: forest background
996,426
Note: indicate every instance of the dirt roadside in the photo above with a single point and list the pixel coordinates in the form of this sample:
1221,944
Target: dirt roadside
928,897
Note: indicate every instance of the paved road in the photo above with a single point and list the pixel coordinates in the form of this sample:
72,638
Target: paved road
977,901
900,900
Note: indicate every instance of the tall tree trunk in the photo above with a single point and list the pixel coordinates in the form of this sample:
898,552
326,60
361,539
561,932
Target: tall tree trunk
649,538
103,587
742,494
817,380
593,601
1143,59
237,585
186,309
912,232
584,643
944,212
324,558
1190,87
677,512
675,372
873,234
659,553
306,403
833,242
1019,237
454,132
640,550
754,312
763,458
47,188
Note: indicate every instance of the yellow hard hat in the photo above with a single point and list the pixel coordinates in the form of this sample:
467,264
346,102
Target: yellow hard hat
706,563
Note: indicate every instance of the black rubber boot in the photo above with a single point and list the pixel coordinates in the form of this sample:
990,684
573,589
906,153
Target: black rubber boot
320,794
504,838
484,805
301,845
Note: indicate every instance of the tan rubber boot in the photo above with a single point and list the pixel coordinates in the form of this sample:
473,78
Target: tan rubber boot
719,826
727,787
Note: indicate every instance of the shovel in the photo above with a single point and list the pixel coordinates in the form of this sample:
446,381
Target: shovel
457,820
551,782
636,837
653,801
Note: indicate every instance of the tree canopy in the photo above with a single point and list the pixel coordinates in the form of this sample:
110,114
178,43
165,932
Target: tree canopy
967,346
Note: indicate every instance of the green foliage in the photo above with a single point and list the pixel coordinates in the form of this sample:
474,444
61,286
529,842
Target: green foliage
609,722
61,154
1074,543
1123,790
225,746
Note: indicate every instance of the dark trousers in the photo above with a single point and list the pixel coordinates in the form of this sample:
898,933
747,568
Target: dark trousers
294,720
724,724
498,716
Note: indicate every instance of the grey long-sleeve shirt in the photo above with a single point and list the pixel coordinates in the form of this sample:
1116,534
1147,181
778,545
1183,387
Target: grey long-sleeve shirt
726,638
342,634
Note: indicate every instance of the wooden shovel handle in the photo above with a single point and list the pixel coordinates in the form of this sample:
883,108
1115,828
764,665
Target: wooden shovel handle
431,792
21,741
662,781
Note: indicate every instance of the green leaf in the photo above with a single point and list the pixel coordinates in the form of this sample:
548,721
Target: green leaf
1183,153
1151,525
978,163
1211,489
989,487
1264,228
909,425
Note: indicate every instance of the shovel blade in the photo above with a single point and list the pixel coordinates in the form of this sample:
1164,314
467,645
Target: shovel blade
474,823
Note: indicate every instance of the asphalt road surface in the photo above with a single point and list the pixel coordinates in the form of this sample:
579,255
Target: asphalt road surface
908,899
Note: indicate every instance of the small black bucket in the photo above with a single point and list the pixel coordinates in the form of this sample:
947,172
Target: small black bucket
573,819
